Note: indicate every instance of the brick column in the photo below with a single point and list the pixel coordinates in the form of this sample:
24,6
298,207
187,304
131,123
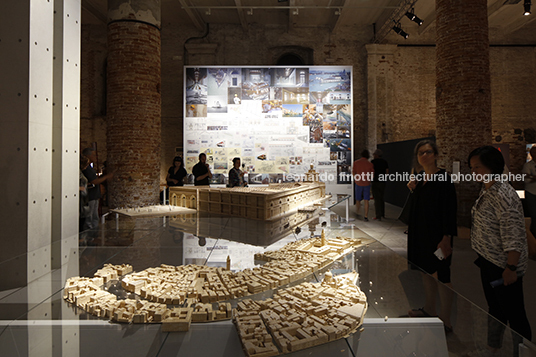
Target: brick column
133,102
380,77
463,90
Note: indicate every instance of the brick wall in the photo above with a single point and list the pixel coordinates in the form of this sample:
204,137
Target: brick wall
412,105
133,113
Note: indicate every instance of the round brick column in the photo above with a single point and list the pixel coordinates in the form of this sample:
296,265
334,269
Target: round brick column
463,90
133,102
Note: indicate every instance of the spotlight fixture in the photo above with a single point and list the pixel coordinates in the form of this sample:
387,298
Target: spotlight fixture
526,6
411,15
295,12
338,12
250,12
398,30
208,11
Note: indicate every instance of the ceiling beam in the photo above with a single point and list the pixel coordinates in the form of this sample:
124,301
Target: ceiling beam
92,9
194,15
494,8
290,14
427,21
241,15
395,16
516,25
337,23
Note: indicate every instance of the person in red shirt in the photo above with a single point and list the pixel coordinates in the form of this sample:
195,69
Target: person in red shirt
362,171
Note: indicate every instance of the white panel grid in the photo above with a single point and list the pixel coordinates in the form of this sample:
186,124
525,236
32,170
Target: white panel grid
66,128
38,265
40,340
40,128
70,98
39,186
14,27
71,65
69,257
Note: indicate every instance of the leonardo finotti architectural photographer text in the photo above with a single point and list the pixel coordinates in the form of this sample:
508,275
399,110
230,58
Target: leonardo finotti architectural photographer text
406,177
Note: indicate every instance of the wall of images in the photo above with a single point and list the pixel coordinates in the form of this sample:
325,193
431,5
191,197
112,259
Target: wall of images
278,120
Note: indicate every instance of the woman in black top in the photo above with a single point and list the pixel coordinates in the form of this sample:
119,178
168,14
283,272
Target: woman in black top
432,224
176,173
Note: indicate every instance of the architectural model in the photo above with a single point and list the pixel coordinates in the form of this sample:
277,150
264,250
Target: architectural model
153,210
261,203
297,317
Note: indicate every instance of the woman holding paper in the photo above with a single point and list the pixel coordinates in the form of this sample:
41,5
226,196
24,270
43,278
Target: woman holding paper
431,226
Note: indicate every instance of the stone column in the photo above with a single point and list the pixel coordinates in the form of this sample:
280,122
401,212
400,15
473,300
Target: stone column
463,90
380,94
133,102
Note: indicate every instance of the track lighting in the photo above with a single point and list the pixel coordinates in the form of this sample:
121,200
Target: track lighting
398,30
411,15
526,6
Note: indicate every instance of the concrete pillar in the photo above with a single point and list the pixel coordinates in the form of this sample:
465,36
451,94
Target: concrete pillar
133,102
463,90
380,93
39,136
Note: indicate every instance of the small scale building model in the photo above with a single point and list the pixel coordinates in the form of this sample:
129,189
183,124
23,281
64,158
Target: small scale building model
260,203
295,318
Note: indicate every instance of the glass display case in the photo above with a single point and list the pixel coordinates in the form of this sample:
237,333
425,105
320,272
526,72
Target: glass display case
36,321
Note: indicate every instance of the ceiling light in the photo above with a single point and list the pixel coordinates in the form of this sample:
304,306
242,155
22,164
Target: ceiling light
250,12
338,12
208,11
295,12
410,15
526,5
398,30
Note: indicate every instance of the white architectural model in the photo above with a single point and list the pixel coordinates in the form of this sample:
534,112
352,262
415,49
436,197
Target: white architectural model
295,318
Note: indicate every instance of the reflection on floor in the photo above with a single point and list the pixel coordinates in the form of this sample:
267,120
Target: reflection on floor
465,275
145,242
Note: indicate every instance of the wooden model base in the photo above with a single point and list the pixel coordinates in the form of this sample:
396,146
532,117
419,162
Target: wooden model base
261,203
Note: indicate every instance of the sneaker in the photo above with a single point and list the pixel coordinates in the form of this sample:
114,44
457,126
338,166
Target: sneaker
377,219
366,219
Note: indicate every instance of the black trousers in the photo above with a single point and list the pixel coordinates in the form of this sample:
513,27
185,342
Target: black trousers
505,304
531,206
378,191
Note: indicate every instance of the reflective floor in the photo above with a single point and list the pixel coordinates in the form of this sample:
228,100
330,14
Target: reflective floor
36,321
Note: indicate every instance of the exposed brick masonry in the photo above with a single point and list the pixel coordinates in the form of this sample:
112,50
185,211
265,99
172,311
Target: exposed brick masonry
134,113
463,89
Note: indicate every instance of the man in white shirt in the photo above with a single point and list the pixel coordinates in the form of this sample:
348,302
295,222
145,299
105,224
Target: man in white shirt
529,169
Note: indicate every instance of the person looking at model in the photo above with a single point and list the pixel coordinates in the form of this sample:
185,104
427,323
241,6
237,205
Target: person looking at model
432,224
362,171
498,236
236,176
201,171
381,168
176,173
94,192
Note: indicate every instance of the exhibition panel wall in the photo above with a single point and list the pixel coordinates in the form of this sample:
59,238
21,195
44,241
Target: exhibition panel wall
278,120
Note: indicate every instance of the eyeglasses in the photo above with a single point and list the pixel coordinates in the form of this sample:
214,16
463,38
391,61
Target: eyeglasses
426,152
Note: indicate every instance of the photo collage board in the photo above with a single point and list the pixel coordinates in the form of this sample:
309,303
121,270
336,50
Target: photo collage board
278,120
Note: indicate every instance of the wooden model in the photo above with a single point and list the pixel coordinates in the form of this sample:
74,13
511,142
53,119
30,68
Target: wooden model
295,318
261,203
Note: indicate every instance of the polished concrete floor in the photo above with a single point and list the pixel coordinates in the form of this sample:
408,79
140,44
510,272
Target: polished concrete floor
31,325
465,275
